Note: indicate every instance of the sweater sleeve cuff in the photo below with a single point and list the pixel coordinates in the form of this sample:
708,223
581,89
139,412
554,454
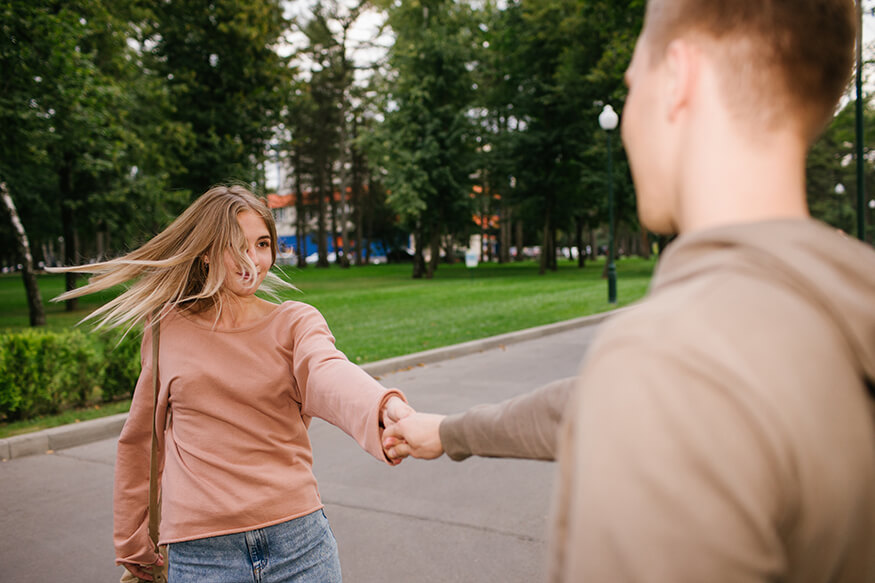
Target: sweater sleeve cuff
388,395
453,440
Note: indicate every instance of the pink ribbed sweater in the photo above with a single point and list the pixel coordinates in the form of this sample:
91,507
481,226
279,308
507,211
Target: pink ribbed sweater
236,454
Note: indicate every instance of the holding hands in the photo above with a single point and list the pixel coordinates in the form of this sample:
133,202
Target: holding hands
409,433
394,410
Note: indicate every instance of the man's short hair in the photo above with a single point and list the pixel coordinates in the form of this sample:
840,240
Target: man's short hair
778,54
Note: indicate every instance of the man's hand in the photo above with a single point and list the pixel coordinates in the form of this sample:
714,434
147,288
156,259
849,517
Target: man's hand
417,435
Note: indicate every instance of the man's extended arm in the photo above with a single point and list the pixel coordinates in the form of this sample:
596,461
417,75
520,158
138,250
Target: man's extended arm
522,427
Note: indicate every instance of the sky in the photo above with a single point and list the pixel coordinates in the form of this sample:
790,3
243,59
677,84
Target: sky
366,43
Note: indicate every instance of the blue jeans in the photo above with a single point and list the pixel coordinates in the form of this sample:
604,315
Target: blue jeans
302,550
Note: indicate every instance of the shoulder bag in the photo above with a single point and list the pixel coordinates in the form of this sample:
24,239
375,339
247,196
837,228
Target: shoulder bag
159,574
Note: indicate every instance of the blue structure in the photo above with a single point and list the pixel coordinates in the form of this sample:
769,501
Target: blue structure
311,246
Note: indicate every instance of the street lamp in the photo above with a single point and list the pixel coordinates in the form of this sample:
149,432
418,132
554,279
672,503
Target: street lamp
608,120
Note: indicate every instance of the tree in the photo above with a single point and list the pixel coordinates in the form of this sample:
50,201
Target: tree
227,83
564,59
425,144
34,301
831,169
322,123
71,85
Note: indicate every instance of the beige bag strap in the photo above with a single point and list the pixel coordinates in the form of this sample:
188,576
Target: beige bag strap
154,516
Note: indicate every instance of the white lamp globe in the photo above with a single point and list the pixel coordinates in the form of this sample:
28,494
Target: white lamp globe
608,118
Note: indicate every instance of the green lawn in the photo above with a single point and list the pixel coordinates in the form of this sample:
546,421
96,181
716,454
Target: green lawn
379,311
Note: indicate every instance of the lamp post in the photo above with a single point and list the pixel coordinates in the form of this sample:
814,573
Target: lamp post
608,120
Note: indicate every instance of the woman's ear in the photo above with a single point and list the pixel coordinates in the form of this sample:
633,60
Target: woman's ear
205,258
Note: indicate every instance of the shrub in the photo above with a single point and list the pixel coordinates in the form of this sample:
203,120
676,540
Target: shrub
121,359
44,372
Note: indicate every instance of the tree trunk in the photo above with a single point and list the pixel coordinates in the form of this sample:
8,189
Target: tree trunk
101,245
333,204
593,250
357,196
34,300
505,231
68,224
645,243
519,241
578,240
418,259
322,247
545,245
300,216
368,212
435,248
341,250
449,249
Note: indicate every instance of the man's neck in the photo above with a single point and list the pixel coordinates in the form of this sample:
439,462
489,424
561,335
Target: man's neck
740,179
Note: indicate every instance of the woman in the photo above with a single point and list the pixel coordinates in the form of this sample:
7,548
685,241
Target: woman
240,378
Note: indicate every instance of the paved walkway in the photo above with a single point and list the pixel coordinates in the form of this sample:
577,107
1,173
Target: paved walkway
480,520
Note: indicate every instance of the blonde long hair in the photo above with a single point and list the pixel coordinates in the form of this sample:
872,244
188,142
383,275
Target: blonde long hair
182,266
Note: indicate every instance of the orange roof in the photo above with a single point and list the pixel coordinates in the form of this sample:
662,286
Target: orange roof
278,201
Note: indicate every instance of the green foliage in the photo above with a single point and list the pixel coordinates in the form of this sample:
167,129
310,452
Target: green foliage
121,366
426,144
566,58
832,162
226,81
42,372
89,142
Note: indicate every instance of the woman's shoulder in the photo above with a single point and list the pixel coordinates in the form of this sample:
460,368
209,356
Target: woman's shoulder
296,310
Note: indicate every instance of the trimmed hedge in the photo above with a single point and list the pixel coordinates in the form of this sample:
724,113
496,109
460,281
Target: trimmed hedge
44,372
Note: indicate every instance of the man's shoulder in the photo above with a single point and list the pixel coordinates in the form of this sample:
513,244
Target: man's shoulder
682,309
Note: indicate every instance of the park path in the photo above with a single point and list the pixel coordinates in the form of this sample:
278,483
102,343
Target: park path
478,521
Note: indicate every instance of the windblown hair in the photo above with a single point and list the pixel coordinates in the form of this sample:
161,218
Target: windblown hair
182,266
777,55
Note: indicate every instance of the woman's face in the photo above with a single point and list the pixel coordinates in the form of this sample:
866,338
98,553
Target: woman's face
238,280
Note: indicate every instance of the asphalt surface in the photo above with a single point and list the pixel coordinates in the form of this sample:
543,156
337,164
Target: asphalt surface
481,520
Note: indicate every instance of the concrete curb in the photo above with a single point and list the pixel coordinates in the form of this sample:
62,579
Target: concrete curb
74,434
61,437
382,367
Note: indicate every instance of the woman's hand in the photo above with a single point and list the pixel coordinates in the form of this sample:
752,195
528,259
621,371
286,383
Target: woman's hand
394,410
144,572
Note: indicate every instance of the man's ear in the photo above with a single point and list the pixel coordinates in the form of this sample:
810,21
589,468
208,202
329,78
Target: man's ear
682,70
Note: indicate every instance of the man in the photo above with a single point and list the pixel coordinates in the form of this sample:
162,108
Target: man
723,430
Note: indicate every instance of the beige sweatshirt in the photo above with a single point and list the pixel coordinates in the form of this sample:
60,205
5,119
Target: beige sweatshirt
525,426
236,451
722,431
